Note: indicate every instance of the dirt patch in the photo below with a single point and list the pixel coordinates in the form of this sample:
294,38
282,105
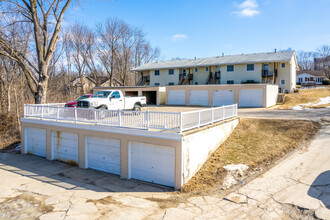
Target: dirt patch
105,201
257,143
305,96
9,132
25,206
171,202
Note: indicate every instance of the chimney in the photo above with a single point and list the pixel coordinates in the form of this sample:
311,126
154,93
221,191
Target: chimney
223,54
275,50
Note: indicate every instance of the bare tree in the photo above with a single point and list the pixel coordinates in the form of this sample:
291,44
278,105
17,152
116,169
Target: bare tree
79,42
46,18
306,60
324,59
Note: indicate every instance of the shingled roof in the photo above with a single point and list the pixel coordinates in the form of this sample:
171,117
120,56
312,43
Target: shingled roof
282,56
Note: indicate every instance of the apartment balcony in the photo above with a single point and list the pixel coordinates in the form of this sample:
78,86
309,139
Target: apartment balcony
268,73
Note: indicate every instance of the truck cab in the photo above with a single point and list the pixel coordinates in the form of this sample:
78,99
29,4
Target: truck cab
113,100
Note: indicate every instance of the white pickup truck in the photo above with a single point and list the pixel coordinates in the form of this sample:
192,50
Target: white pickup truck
113,100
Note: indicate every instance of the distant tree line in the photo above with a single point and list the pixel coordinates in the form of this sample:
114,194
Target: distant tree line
39,58
315,60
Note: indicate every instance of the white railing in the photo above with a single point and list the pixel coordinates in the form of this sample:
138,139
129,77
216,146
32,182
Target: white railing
167,121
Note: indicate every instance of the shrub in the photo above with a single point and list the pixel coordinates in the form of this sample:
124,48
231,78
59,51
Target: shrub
326,82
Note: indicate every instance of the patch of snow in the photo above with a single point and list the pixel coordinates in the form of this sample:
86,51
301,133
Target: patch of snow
235,172
236,167
297,107
323,101
18,147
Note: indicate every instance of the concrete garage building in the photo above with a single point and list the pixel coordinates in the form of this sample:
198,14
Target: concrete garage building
276,68
158,147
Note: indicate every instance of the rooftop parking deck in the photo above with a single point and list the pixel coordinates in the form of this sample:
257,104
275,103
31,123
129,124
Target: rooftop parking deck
161,118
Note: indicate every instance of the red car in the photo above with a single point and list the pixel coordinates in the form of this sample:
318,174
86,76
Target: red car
75,102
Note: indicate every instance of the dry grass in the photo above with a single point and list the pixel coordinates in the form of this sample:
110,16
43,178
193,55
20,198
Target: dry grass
305,96
9,131
254,142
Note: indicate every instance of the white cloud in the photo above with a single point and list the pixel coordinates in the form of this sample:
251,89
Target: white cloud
248,8
178,37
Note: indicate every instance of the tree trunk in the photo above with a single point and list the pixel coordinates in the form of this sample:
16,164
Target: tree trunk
8,99
40,97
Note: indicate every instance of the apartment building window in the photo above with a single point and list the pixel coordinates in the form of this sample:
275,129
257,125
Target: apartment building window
230,81
283,65
156,84
156,72
250,67
171,83
230,68
196,70
171,72
206,69
282,81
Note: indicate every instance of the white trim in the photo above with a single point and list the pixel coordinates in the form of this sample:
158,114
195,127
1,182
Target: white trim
126,131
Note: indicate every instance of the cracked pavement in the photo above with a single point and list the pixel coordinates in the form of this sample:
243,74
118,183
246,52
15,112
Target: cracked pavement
32,187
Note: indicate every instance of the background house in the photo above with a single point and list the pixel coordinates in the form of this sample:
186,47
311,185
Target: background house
316,76
87,83
277,68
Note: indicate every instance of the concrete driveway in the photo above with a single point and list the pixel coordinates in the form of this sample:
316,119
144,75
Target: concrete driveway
309,114
298,187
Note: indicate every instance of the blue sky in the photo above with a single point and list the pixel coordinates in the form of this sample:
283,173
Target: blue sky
195,28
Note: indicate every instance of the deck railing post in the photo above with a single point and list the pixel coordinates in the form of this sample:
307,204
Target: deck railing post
212,115
119,118
95,116
223,113
199,118
147,117
57,113
24,111
180,123
75,115
236,109
42,112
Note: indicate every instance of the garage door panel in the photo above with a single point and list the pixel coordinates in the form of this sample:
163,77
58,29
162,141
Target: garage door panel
36,141
65,146
176,97
152,163
199,97
251,98
103,154
223,97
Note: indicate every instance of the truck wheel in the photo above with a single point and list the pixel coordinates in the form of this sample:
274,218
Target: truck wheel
137,108
102,107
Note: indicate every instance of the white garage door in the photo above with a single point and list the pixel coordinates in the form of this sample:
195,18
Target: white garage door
65,146
152,163
35,141
103,154
176,97
251,98
223,97
199,97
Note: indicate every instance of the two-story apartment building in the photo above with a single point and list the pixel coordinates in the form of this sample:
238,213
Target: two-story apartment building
277,68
